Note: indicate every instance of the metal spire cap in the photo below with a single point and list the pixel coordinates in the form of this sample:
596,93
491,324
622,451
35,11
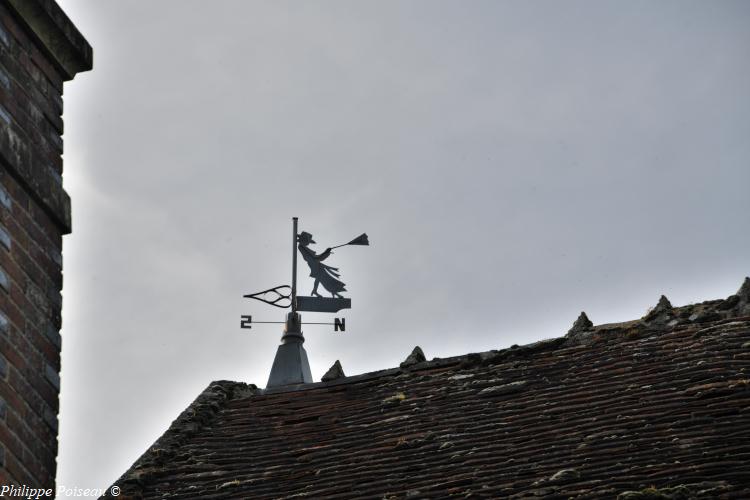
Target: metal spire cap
290,366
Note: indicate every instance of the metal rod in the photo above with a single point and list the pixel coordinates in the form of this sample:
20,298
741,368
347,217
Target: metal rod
284,322
294,265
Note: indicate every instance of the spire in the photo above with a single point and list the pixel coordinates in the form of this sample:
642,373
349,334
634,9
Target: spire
290,366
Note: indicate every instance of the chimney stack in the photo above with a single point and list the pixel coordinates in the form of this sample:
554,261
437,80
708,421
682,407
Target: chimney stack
40,49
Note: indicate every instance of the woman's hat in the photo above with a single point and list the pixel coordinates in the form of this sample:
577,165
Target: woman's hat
306,237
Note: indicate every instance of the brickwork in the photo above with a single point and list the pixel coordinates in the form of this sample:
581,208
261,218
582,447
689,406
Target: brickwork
39,50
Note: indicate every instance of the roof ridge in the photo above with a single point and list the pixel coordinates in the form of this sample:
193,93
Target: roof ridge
715,312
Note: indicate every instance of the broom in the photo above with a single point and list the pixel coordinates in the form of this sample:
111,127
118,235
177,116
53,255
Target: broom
359,240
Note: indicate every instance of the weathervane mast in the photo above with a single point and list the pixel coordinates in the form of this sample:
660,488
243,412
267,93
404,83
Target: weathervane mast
294,264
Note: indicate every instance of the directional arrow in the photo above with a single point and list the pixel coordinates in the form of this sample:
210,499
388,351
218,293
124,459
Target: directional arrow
273,296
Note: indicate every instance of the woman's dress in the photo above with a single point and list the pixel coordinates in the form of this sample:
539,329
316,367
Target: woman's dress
326,275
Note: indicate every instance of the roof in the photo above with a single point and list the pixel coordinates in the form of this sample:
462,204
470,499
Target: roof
655,406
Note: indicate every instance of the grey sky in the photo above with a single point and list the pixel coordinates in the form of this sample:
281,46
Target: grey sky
514,163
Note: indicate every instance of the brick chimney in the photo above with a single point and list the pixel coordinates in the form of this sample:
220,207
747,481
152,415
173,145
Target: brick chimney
39,50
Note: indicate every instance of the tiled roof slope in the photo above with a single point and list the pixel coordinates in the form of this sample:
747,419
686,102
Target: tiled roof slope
654,408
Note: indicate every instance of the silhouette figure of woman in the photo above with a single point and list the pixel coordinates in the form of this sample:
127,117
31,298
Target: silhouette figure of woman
323,274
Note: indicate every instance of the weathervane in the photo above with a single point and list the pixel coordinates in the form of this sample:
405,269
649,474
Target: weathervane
290,365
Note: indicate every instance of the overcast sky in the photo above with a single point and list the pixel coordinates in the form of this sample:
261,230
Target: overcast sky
513,163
